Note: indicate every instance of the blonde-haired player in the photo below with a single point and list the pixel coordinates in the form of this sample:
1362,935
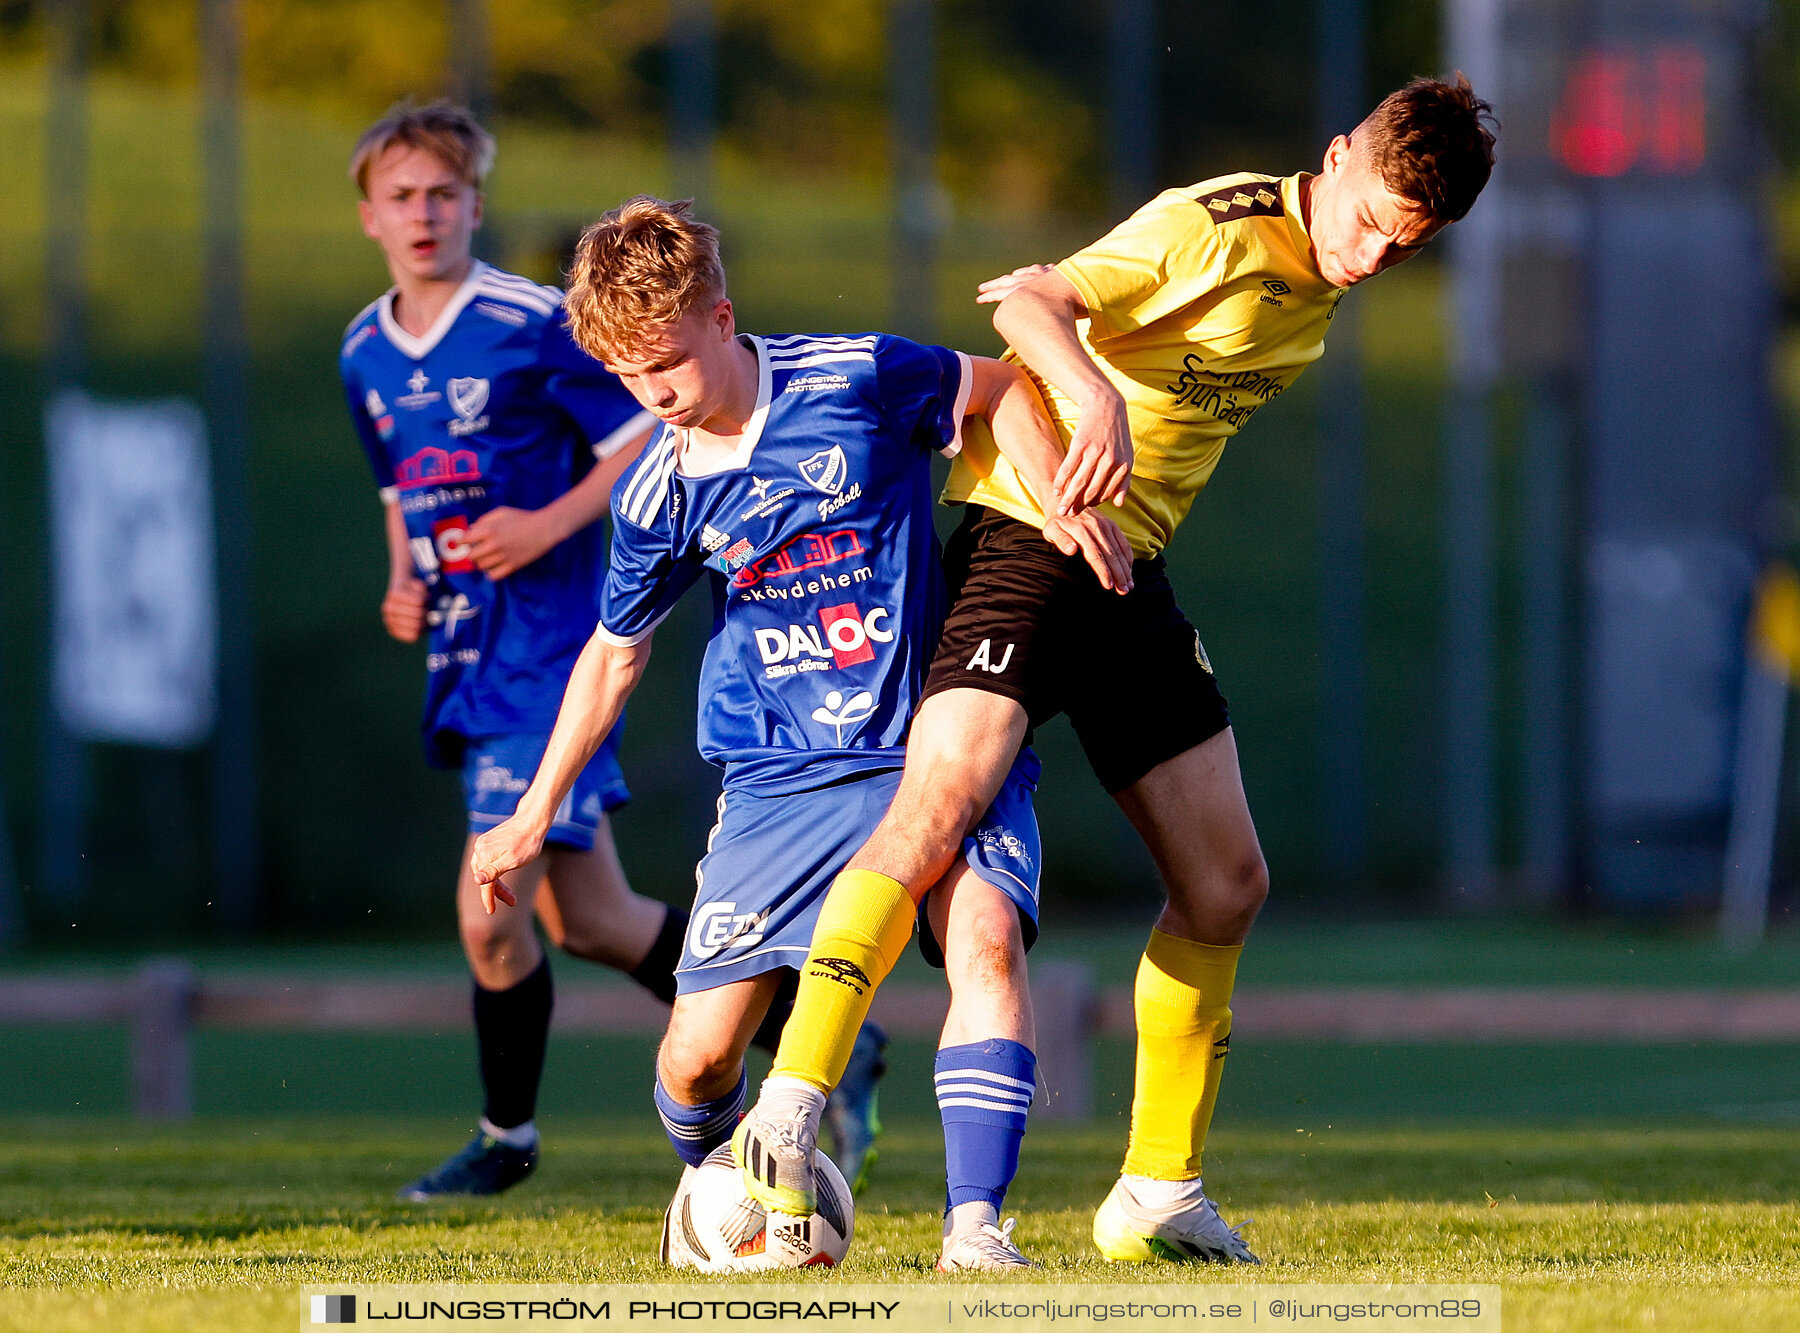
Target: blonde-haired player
793,475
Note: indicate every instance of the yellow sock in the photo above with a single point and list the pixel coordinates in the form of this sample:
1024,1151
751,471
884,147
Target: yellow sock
863,929
1183,1002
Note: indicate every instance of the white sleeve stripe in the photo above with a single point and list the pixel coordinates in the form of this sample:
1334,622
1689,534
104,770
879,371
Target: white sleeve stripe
646,477
628,640
812,340
501,276
540,303
818,359
639,510
647,464
525,286
389,495
653,497
981,1073
618,438
963,390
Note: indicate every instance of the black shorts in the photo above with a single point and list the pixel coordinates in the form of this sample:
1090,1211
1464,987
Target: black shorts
1033,624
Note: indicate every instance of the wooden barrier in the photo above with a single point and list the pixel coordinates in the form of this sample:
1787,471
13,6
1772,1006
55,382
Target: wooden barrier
164,1001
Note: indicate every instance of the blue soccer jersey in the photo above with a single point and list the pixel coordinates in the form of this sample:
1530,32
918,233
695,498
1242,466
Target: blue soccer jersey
817,538
495,405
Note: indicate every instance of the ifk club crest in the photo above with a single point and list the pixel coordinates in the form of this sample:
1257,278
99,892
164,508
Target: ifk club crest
825,470
467,397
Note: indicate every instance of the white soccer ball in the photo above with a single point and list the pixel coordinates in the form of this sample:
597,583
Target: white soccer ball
715,1226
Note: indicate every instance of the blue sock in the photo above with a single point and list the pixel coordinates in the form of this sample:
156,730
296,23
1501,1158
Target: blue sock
694,1131
983,1092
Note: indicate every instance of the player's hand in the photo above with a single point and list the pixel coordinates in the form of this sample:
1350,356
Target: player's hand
996,290
1100,543
403,610
506,847
1097,467
504,540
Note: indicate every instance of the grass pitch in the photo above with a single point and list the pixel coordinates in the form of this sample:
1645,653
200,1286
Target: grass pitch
213,1225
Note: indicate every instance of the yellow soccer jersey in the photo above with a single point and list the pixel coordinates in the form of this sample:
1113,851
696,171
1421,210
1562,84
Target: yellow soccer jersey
1202,306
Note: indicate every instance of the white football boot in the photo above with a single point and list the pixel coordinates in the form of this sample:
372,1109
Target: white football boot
982,1248
1182,1228
774,1146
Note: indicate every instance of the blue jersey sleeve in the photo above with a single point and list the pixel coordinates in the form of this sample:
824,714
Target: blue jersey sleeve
588,392
645,576
356,399
924,392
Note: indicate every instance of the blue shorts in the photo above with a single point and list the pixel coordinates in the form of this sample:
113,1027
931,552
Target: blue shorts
771,859
498,769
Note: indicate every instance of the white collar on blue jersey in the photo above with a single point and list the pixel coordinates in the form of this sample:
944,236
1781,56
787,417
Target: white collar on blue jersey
739,457
419,348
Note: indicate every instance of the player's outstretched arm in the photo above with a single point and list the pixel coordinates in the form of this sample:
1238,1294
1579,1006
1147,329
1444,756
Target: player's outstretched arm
604,676
403,605
1036,315
1006,398
504,540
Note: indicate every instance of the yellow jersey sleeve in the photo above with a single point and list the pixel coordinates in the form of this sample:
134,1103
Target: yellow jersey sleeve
1159,260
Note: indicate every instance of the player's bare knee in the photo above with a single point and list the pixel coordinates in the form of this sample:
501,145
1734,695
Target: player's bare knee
694,1068
487,942
989,954
585,940
1248,886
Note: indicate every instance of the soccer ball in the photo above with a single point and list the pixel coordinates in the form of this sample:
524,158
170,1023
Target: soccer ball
715,1226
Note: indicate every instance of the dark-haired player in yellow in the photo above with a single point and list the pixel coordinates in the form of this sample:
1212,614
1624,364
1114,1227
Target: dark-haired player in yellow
1152,347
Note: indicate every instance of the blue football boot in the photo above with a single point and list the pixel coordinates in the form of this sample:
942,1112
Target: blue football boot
484,1166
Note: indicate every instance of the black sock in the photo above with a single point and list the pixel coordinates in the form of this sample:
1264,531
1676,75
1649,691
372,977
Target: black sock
511,1027
656,973
768,1032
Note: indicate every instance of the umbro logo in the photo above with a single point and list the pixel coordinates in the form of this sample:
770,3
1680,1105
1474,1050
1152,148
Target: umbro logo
843,971
1276,287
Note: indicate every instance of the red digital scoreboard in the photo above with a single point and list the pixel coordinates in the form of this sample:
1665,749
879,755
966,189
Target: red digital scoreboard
1623,111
